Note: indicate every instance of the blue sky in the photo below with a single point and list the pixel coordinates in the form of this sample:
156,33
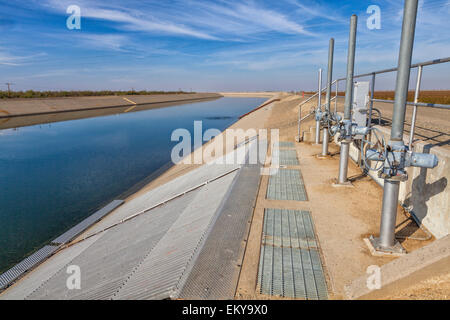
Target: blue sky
220,45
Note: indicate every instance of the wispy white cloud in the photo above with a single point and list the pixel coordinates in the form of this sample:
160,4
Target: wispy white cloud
313,10
127,19
138,24
266,18
103,41
8,59
221,20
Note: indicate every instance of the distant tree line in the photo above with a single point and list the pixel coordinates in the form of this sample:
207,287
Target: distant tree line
59,94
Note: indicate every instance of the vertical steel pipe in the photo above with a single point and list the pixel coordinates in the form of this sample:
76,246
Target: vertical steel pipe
389,213
416,100
328,96
330,74
391,188
343,162
345,144
319,106
326,138
404,67
350,68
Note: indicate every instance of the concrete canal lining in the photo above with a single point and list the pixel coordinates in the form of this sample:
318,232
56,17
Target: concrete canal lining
27,107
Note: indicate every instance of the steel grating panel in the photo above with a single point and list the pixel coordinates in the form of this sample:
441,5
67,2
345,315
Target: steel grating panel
216,272
9,276
163,272
286,184
29,263
290,263
35,258
86,223
45,271
288,158
108,262
285,144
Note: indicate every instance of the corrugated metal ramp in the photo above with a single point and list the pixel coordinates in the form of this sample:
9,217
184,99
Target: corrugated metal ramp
216,272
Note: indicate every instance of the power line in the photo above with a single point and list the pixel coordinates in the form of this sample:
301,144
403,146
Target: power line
9,84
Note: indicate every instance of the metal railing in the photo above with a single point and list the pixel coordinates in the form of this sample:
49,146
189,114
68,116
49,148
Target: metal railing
300,119
372,100
416,102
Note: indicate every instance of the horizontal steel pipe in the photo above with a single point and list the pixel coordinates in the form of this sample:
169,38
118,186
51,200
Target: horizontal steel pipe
419,104
426,63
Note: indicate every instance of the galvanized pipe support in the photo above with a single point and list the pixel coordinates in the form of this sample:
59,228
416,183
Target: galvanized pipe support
387,242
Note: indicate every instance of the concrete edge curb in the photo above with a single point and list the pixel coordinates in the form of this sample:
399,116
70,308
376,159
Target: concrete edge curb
402,273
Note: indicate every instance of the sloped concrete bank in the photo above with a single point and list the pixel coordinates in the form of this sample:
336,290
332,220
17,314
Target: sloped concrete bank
266,94
28,107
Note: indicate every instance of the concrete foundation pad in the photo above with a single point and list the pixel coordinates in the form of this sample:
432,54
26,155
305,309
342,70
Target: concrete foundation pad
377,253
347,184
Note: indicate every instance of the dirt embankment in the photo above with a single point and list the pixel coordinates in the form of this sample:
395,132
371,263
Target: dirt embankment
27,107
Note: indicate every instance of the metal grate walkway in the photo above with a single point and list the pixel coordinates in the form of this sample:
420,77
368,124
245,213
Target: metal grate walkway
290,264
285,144
215,274
286,184
288,157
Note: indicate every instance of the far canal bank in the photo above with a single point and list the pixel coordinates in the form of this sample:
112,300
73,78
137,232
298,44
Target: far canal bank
27,112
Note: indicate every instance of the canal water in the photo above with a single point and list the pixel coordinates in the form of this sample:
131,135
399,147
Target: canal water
53,176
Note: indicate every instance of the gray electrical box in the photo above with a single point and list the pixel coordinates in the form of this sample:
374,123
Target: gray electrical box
360,104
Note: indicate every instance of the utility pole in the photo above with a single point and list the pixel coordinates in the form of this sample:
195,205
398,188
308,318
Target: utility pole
9,84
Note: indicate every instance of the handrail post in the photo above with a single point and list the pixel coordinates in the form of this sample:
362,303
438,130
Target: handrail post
328,96
345,144
319,105
414,115
372,96
337,93
299,138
